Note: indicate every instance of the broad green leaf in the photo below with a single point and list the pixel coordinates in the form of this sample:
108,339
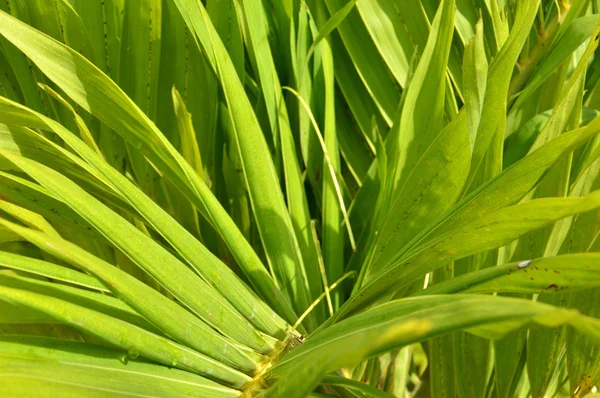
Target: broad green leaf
191,153
512,184
84,132
260,51
36,198
355,151
432,188
25,142
517,144
422,120
138,74
583,353
402,322
10,313
9,87
544,355
509,362
493,115
471,363
328,27
308,80
486,232
98,20
567,112
189,143
297,200
25,76
544,346
441,352
306,380
363,107
569,272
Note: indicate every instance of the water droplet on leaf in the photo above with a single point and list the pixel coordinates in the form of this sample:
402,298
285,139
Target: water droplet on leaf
133,353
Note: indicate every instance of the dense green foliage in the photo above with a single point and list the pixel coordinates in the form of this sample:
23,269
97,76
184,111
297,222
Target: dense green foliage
289,198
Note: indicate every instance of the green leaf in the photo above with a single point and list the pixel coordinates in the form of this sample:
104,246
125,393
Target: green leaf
493,116
514,183
50,270
353,385
582,352
405,321
387,30
27,217
172,319
204,262
493,230
366,59
328,27
97,94
132,339
574,35
431,189
271,216
422,120
475,70
14,314
333,206
190,289
569,272
94,301
42,367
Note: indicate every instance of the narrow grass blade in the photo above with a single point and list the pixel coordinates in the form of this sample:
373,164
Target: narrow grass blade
31,363
134,340
96,93
50,270
172,319
92,300
204,262
194,292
